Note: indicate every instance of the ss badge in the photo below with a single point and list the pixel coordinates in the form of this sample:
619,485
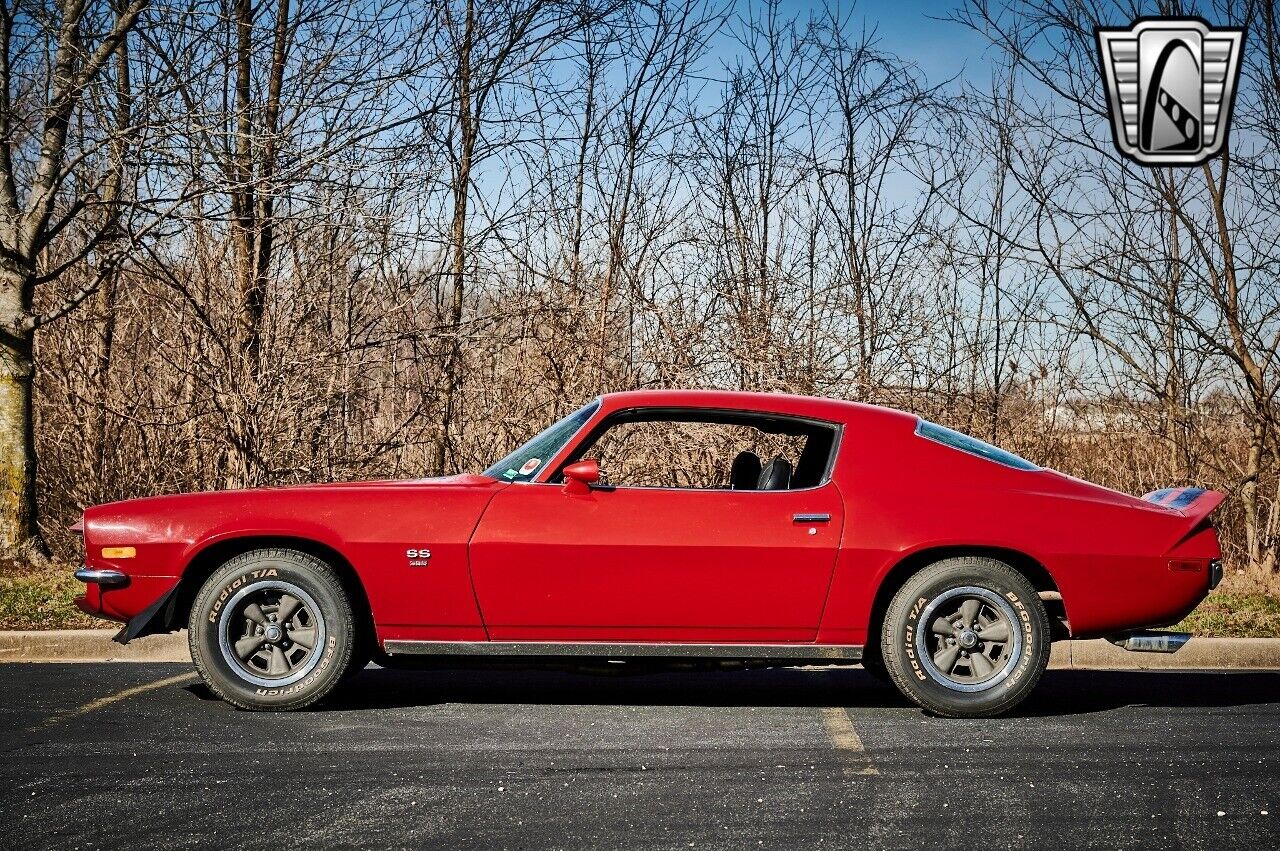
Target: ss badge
418,557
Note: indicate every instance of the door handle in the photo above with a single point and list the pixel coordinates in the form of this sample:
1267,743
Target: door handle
811,518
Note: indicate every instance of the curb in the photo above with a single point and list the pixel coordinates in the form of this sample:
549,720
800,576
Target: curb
90,645
1198,654
1213,654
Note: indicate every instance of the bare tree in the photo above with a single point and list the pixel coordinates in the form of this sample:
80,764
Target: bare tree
1161,269
48,64
490,46
395,239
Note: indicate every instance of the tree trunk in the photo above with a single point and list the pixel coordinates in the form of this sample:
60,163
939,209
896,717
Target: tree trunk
99,377
1253,528
1171,393
243,196
467,122
266,192
105,298
19,535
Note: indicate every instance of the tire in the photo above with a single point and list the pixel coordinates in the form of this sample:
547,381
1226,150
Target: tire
243,600
934,631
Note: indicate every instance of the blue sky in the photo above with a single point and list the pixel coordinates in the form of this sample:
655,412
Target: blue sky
915,30
912,29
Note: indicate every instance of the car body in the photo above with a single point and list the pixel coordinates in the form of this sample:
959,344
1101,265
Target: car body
540,563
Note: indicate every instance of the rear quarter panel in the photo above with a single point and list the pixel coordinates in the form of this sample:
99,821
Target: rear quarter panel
908,496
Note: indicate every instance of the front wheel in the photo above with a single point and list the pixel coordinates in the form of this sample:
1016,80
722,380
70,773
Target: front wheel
272,629
966,638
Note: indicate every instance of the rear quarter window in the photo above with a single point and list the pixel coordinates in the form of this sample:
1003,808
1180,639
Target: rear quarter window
971,445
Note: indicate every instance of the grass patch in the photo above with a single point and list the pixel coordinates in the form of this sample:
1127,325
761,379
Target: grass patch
1235,615
40,598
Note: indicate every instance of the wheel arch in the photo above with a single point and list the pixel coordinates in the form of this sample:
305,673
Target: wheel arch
174,614
1035,572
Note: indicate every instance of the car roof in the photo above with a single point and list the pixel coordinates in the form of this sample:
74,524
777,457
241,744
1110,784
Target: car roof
833,410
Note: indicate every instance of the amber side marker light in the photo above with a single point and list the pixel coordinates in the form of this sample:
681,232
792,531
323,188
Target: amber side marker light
119,552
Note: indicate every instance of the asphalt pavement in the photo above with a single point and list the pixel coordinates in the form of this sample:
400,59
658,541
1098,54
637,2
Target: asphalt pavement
140,755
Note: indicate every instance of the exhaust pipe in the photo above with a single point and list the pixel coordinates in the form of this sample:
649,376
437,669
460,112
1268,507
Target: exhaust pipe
1147,641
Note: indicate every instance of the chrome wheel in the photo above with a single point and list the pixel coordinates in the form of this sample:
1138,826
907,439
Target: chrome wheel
271,633
968,639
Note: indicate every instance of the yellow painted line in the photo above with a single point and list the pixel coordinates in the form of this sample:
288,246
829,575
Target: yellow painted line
846,740
98,703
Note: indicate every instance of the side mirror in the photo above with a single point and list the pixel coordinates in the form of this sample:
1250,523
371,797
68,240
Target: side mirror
581,475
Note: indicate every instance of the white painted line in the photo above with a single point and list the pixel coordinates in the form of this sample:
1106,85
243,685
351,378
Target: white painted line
98,703
845,738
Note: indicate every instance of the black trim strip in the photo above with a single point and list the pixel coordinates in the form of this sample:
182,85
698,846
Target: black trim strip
848,652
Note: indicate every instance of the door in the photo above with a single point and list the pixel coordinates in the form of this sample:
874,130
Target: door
650,564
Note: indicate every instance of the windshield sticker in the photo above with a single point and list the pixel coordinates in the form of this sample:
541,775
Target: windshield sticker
530,466
510,474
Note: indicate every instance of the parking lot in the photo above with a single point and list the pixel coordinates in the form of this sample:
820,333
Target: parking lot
118,755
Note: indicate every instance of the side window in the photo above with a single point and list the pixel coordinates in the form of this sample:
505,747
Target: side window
773,454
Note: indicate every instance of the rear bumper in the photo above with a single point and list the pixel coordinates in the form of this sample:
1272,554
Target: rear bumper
1107,595
1150,641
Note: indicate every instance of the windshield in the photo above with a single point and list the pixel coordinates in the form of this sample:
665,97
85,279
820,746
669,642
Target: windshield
523,464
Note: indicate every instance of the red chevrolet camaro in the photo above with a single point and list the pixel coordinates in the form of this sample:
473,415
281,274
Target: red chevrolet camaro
732,528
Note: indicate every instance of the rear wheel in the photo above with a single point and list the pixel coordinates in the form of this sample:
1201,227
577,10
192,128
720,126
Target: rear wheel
966,637
272,629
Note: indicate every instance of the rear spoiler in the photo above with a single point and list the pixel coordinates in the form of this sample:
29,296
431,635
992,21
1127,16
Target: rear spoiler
1195,504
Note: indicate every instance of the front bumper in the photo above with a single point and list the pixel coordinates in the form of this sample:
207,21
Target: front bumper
97,583
1215,573
105,578
118,596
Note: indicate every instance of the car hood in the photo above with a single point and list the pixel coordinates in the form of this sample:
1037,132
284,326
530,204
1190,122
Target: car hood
166,530
461,480
444,483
